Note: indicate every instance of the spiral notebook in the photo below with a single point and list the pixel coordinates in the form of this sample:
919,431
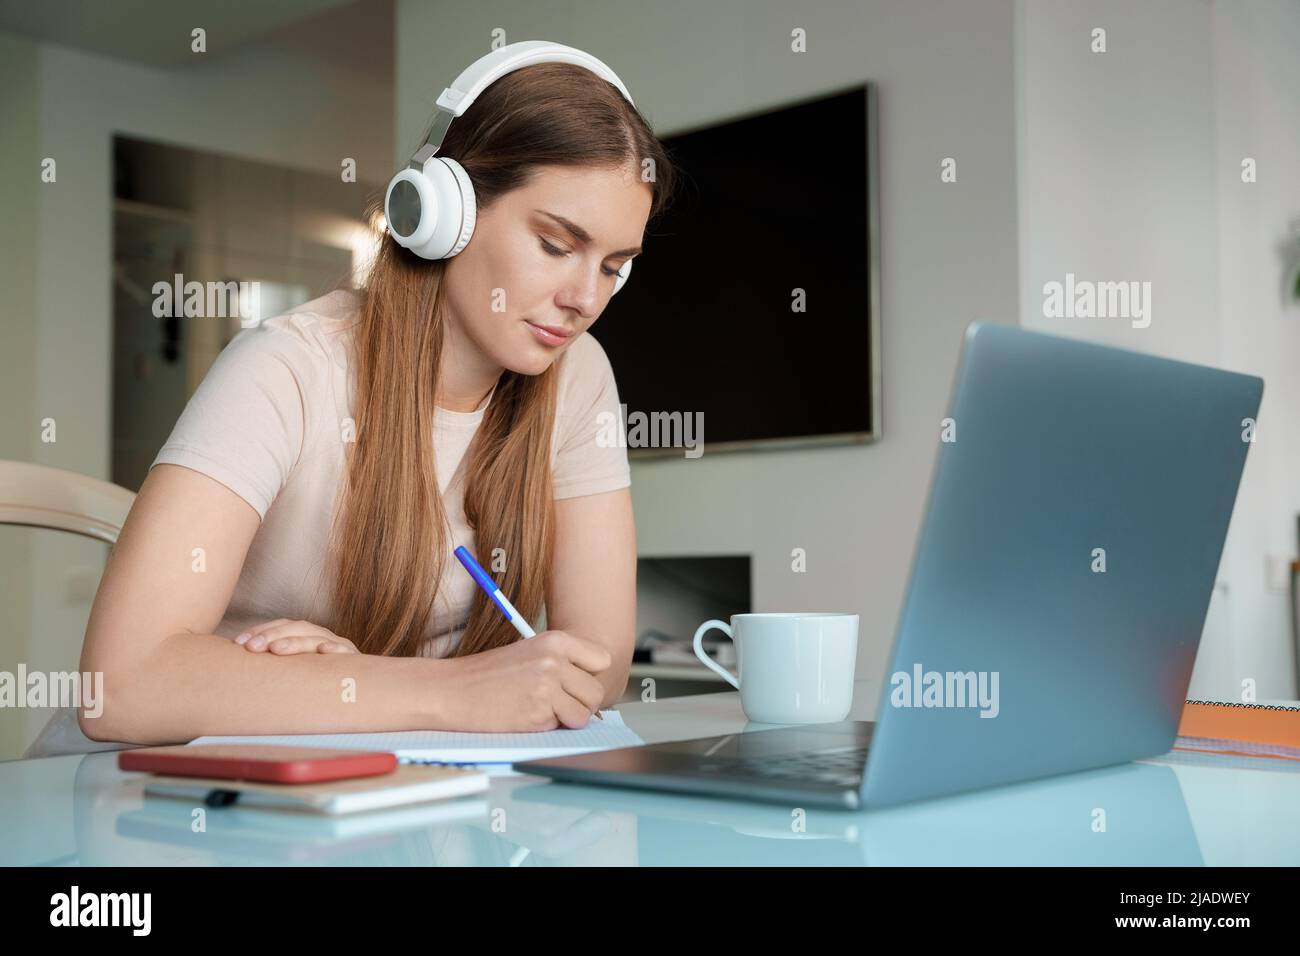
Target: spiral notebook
1255,730
456,748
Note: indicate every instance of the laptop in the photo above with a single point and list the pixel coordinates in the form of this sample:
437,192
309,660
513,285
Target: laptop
1075,519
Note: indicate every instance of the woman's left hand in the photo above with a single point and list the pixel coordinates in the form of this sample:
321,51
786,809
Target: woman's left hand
283,636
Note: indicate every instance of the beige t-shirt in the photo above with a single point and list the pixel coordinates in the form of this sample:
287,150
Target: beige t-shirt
266,422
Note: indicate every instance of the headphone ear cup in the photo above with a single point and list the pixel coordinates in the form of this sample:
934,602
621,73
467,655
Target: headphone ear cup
432,211
623,273
410,208
468,205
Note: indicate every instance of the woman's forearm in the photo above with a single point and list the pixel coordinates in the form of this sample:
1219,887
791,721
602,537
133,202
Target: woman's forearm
197,684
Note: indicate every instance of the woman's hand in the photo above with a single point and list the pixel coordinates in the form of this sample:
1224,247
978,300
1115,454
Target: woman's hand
283,636
542,683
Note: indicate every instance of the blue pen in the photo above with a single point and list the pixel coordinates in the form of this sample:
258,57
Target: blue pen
494,592
499,599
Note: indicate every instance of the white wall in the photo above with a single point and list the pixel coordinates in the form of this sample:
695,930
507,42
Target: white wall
1256,49
273,101
945,83
1129,170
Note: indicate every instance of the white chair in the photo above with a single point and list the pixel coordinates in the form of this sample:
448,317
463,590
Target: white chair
38,496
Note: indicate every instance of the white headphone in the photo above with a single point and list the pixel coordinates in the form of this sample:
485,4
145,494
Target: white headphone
430,205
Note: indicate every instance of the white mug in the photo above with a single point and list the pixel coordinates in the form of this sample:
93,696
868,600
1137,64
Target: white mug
794,668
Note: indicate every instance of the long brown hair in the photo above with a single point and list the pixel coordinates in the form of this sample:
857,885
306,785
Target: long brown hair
390,534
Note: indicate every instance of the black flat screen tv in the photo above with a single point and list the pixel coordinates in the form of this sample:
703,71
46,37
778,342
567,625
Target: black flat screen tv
774,212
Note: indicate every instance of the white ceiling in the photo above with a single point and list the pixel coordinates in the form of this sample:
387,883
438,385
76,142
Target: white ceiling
154,32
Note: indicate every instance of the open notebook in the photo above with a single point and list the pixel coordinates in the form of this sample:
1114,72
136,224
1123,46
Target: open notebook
439,746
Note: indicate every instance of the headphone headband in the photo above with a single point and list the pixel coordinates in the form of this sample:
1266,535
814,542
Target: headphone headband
487,69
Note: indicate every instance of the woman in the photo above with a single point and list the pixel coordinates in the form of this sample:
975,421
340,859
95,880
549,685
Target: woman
287,566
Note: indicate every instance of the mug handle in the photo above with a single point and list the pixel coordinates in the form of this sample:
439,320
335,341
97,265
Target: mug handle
709,662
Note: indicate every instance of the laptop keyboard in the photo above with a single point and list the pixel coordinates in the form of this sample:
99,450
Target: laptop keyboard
840,767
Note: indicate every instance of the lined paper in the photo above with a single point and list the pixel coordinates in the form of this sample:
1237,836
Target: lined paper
440,746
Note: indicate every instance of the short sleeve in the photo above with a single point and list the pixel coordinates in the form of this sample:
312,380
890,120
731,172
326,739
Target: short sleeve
244,425
592,453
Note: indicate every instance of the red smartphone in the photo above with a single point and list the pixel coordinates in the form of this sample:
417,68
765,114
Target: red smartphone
270,763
